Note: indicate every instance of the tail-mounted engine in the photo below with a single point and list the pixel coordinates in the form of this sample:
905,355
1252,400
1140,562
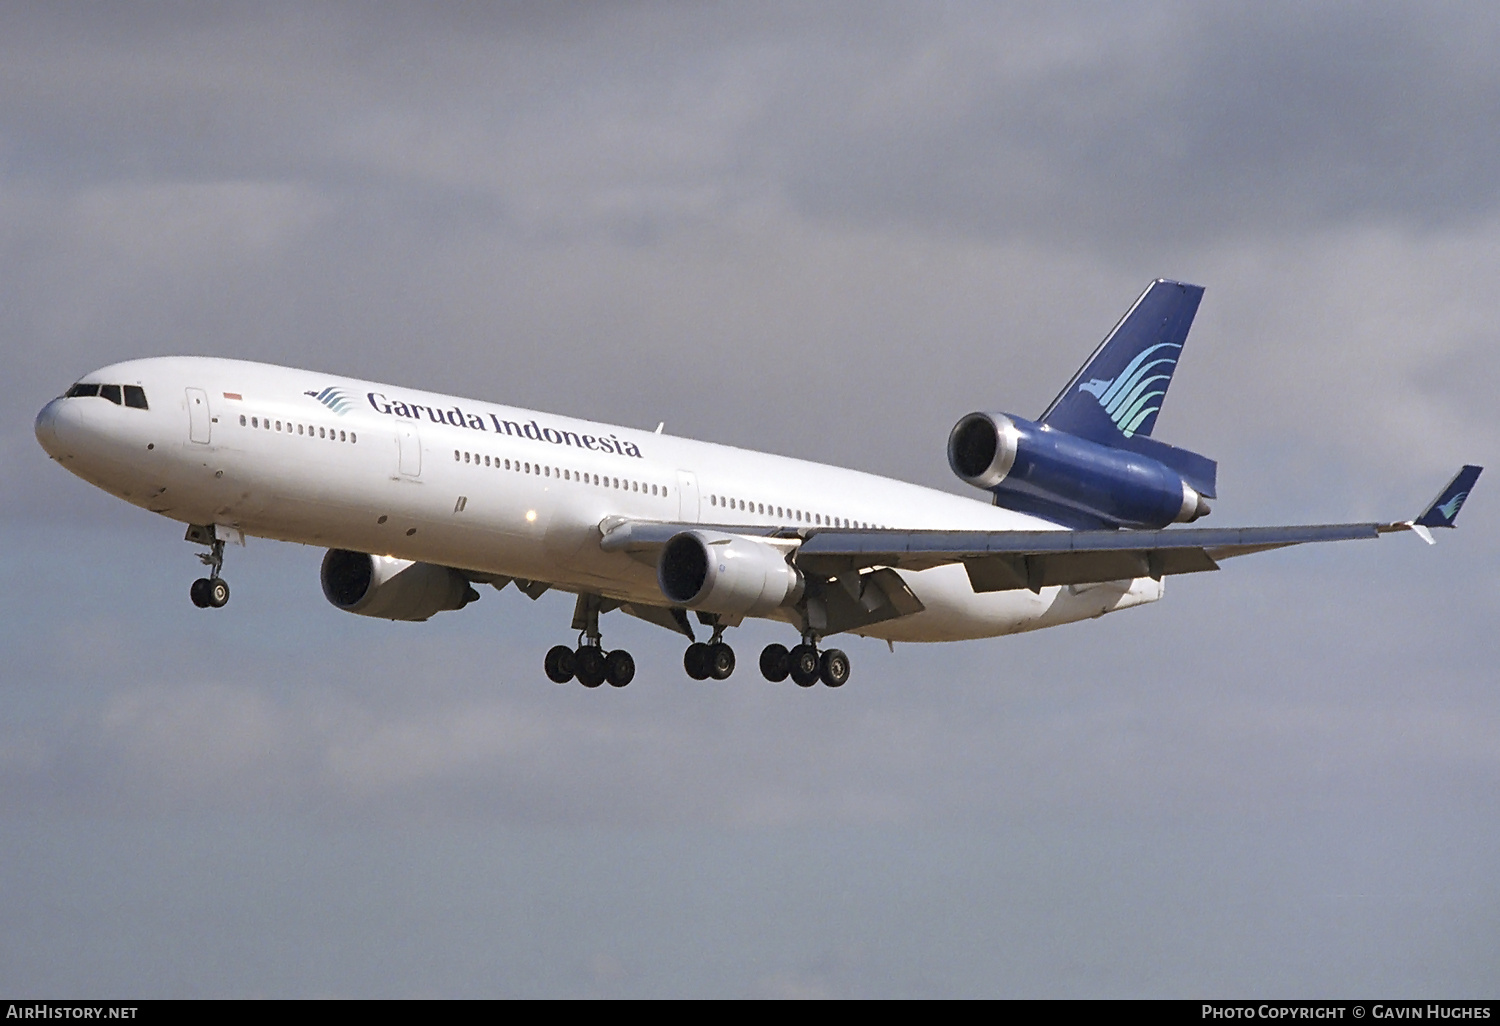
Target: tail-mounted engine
1038,469
726,574
390,588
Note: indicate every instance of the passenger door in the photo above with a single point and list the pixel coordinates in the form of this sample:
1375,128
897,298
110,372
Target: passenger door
199,422
409,446
687,497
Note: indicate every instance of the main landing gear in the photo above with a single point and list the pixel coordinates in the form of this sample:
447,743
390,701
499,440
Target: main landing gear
593,666
713,659
589,662
804,664
211,592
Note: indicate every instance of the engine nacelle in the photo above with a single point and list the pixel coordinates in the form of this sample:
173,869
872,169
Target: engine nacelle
727,574
390,588
1038,469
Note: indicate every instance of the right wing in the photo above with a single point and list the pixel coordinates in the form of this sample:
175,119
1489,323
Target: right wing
1012,560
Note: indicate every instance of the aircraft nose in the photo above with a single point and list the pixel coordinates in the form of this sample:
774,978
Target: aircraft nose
46,427
61,428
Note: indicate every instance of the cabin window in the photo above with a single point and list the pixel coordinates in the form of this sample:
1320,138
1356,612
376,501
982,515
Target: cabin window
242,420
255,422
135,397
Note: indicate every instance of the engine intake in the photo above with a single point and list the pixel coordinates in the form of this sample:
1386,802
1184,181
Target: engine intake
1038,469
390,588
726,574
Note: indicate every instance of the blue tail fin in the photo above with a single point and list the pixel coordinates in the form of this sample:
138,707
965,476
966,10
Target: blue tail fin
1443,510
1117,394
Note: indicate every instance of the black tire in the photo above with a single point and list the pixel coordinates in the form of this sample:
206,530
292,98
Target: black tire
559,664
619,668
775,663
589,666
199,593
695,661
720,661
833,668
217,593
804,668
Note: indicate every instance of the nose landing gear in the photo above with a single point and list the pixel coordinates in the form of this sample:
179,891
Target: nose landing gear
211,592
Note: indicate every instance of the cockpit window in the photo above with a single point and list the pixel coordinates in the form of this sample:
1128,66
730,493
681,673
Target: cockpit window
133,396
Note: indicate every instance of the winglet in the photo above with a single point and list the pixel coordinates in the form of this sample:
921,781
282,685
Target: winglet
1443,511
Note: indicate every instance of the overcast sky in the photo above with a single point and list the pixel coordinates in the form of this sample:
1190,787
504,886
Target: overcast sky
828,232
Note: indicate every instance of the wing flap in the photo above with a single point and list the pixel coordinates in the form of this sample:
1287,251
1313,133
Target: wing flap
1042,570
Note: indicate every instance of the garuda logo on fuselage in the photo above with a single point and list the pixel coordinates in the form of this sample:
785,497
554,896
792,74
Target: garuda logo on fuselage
337,400
1136,393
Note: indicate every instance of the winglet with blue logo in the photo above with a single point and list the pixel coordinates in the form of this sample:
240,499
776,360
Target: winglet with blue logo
1443,511
1118,392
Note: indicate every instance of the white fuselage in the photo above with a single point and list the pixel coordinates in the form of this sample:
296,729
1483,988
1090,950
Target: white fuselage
323,460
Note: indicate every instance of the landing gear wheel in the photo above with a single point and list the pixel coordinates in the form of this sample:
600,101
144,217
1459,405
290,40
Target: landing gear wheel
559,664
804,668
589,665
720,661
775,663
199,592
833,668
619,668
217,592
695,661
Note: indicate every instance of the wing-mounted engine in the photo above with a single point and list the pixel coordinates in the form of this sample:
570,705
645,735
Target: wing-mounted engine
726,574
390,588
1035,468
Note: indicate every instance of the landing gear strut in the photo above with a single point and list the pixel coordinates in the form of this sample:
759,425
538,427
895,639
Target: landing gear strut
589,662
211,592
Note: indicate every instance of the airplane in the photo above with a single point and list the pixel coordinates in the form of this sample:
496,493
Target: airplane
420,497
